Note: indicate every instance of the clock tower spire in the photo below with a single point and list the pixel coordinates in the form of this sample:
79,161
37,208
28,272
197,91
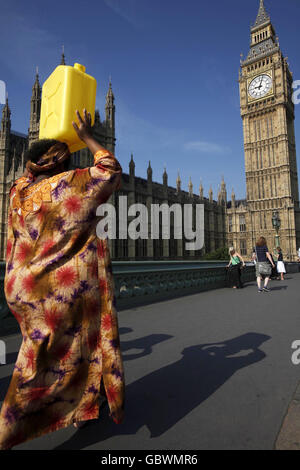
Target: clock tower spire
262,16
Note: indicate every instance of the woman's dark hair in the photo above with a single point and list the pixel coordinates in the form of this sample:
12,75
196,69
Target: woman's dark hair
278,248
39,148
261,241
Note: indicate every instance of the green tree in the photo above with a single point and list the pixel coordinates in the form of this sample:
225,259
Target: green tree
219,254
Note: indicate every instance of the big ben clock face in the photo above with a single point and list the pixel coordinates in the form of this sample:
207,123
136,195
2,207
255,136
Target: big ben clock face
260,86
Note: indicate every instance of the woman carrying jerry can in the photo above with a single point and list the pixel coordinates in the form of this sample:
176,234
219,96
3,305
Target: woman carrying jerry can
59,286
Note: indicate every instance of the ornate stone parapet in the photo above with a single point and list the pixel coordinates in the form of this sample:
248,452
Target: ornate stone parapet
138,283
141,286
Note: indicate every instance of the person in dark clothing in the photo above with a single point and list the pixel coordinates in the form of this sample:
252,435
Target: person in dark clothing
274,269
263,268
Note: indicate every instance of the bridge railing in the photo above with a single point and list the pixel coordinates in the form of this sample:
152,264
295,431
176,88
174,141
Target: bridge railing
138,283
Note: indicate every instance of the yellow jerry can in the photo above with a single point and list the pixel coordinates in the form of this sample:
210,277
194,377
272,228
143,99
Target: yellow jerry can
67,89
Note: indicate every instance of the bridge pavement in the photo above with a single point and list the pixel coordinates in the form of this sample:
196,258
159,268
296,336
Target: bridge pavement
208,371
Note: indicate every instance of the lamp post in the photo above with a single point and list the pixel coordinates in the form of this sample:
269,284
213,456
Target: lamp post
276,225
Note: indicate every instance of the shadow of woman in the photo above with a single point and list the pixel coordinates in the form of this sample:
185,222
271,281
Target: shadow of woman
144,344
162,398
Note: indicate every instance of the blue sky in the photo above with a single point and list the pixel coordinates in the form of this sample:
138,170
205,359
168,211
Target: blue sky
174,67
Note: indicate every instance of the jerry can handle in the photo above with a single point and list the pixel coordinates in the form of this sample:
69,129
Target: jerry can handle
79,67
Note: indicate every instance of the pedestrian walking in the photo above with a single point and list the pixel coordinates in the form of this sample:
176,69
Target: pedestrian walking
235,264
280,264
59,286
263,265
273,275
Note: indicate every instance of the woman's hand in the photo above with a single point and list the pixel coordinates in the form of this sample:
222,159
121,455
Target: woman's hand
26,173
84,128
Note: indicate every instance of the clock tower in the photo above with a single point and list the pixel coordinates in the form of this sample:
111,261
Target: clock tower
267,111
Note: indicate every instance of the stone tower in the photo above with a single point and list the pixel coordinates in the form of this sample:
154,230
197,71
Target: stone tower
267,111
35,111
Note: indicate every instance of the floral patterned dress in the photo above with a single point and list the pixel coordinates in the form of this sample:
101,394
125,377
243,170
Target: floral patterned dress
59,286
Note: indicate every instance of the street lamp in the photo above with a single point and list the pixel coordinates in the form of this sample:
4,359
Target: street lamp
276,225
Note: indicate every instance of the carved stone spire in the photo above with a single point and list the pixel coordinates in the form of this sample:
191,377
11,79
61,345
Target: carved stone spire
110,108
262,16
210,194
233,199
149,172
178,183
165,177
132,167
223,190
5,122
190,185
219,195
35,110
63,62
201,190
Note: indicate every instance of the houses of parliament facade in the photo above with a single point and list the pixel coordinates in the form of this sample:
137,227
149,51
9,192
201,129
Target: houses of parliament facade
267,112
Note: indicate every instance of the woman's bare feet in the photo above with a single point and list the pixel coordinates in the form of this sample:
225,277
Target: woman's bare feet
79,424
82,424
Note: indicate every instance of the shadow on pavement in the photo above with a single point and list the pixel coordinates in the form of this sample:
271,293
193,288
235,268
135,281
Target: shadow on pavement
4,383
11,358
145,344
278,288
165,396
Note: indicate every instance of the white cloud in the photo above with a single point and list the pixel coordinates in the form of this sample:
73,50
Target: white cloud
28,47
127,9
202,146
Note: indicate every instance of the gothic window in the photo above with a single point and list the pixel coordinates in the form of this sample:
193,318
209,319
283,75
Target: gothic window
260,216
230,224
242,223
255,130
259,131
267,127
243,247
271,125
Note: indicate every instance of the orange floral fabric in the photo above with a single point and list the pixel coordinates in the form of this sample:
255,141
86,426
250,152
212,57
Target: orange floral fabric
59,286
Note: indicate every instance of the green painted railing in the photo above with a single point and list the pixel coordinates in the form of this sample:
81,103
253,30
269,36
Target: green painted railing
138,283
